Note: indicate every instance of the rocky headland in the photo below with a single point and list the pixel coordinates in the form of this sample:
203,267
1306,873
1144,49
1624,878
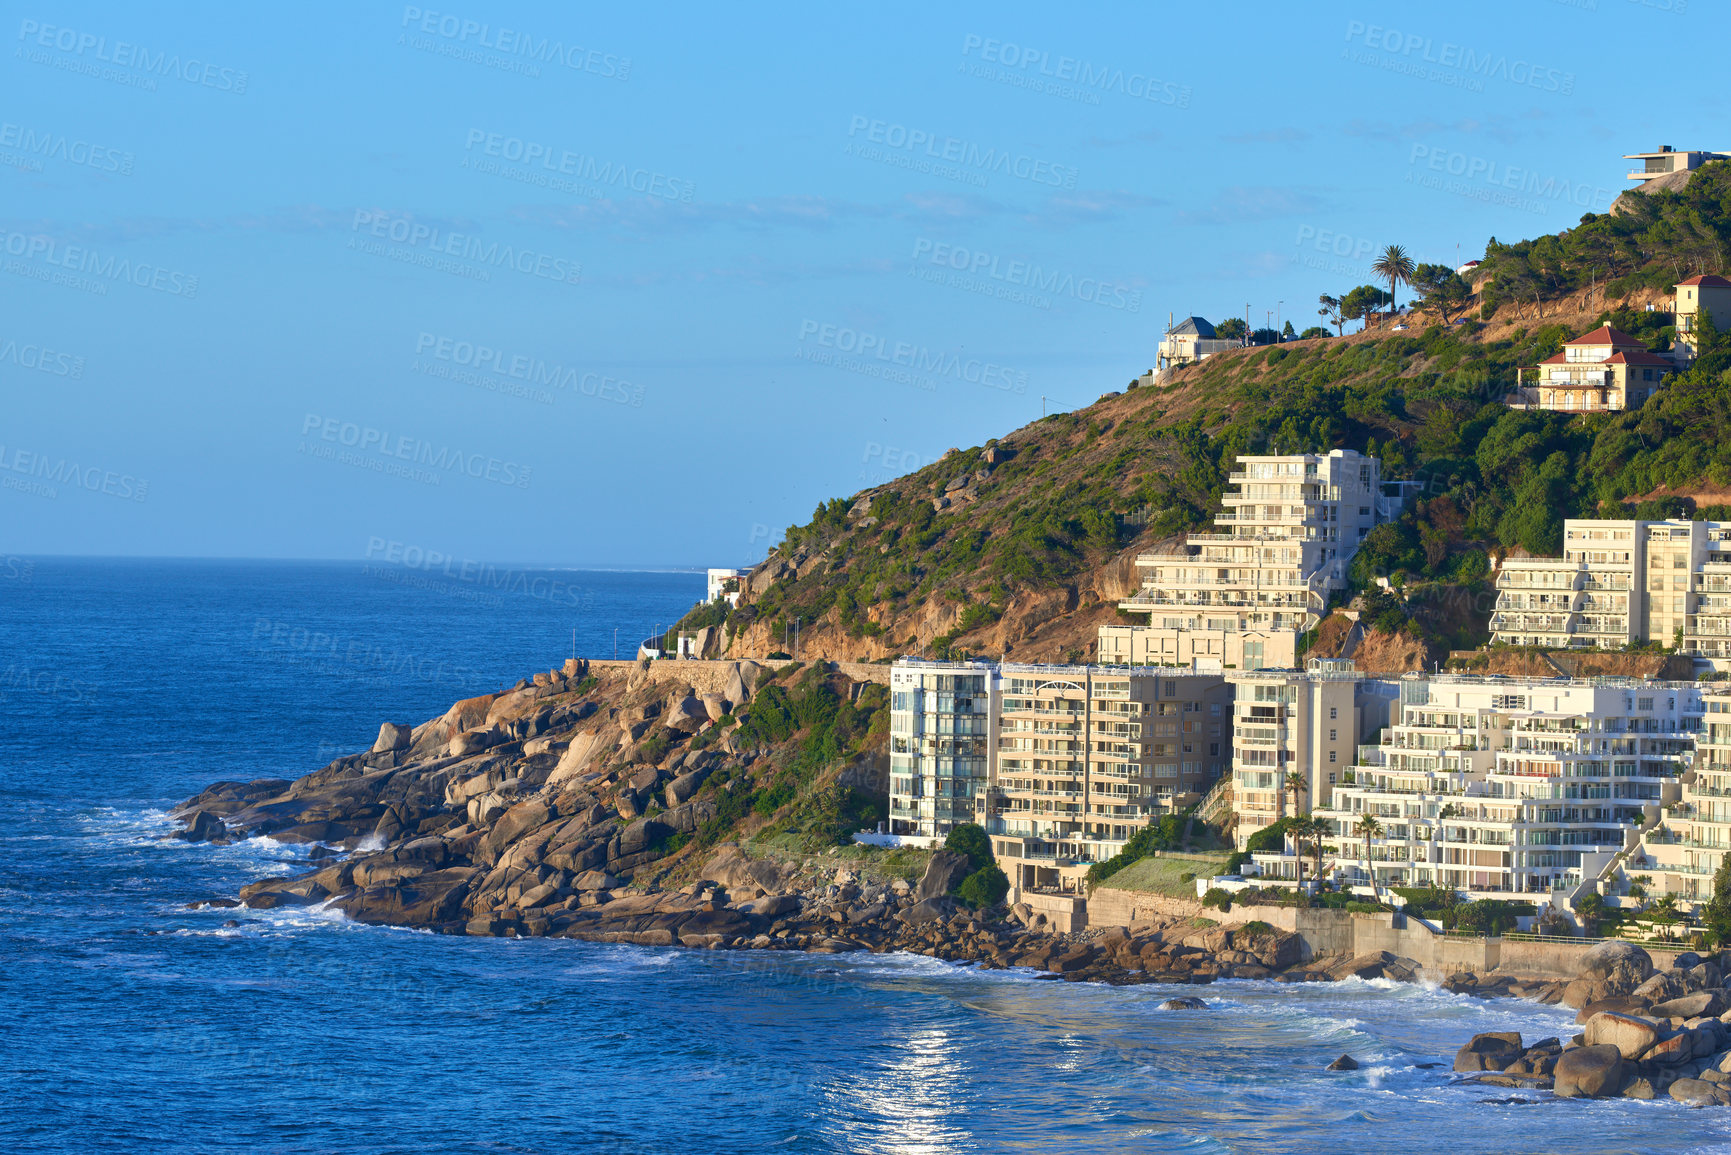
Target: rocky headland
614,805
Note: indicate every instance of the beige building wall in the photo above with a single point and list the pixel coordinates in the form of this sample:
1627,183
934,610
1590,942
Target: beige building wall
1284,721
1089,755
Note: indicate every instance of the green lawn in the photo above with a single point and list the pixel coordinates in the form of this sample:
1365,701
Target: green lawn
1161,875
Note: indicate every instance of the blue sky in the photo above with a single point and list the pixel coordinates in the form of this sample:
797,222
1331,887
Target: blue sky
600,286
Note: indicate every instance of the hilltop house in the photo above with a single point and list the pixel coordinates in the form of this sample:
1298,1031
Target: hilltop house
1191,340
1603,371
1708,292
1668,160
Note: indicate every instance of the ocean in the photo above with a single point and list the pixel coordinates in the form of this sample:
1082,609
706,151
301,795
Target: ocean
129,1021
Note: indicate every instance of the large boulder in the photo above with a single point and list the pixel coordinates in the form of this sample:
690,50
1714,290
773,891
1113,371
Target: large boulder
475,741
1699,1093
1690,1006
1608,970
1632,1036
203,826
945,871
680,790
641,835
1589,1072
468,713
1493,1051
686,715
393,736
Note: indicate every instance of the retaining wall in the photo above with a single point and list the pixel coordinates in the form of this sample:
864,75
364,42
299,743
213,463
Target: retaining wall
1351,933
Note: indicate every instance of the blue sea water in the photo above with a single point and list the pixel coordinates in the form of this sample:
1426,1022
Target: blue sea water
129,1022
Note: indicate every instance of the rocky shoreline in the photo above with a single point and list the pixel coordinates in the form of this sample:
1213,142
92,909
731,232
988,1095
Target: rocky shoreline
560,807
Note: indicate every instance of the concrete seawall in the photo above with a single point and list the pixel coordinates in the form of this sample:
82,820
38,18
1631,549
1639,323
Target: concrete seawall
1350,933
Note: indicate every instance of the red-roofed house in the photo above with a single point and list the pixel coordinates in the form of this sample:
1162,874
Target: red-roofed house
1597,372
1709,292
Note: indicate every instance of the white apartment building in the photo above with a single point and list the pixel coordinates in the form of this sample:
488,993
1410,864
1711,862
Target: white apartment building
1308,722
1498,787
1683,852
1622,583
1238,598
943,730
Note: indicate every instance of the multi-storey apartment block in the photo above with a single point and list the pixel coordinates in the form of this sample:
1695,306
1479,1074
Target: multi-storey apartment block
1496,786
1238,599
1620,583
1089,755
943,727
1309,722
1061,764
1682,853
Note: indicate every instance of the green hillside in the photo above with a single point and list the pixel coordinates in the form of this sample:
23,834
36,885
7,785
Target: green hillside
1075,490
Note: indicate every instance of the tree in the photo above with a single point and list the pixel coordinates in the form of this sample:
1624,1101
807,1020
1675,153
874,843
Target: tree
1362,303
1231,329
1313,332
1442,289
1330,312
1369,827
969,838
984,888
1716,911
1305,830
1395,267
1288,333
1296,784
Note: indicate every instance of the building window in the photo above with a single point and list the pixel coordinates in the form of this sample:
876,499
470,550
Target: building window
1334,736
1334,711
1331,756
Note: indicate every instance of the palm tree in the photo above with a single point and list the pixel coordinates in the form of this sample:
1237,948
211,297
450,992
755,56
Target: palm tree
1322,831
1303,830
1369,827
1397,267
1296,784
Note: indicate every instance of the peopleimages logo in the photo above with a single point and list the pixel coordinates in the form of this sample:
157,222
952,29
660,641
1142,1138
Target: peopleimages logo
1068,76
430,243
922,150
546,165
79,259
33,144
1513,178
389,450
40,358
463,35
899,360
530,371
87,46
486,574
45,471
1459,58
1004,278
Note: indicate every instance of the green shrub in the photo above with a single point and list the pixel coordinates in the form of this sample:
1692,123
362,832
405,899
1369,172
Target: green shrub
1217,898
984,888
970,839
1235,862
1187,876
1256,929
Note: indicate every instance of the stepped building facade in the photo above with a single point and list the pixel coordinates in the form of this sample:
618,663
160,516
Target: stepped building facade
1238,598
1500,787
